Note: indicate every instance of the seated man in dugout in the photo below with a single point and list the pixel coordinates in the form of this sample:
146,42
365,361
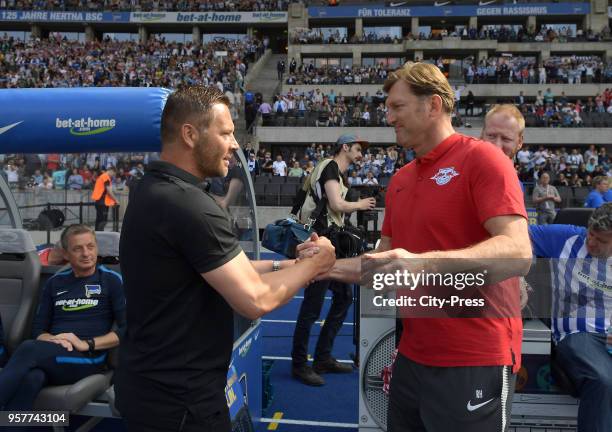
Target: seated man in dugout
72,327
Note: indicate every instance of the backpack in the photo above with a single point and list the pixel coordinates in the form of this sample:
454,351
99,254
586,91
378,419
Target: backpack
310,205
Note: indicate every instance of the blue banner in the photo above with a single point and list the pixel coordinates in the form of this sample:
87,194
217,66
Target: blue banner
79,120
489,9
246,366
64,16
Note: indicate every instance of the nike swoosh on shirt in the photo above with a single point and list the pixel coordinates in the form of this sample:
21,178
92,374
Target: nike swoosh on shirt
397,4
486,3
61,292
436,4
9,127
471,407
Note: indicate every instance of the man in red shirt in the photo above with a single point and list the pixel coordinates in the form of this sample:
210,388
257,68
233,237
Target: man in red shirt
458,203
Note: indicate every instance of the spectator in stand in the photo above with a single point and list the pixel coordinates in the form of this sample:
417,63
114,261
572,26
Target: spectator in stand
575,181
575,159
59,178
561,180
37,178
253,164
47,183
75,181
296,170
354,179
267,164
279,167
370,180
87,177
544,197
12,175
591,152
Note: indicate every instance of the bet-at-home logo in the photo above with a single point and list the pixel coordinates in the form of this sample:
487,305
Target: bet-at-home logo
85,126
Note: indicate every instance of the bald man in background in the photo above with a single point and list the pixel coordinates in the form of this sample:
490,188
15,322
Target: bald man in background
504,127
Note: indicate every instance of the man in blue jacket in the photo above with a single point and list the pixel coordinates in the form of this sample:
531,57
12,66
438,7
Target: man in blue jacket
72,327
582,309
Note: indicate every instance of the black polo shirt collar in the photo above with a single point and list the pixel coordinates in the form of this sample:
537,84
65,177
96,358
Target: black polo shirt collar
171,169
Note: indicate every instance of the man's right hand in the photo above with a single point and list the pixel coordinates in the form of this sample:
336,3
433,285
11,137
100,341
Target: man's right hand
367,203
326,257
308,248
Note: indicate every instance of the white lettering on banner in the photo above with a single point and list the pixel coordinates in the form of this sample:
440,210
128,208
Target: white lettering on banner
488,11
526,10
208,17
520,11
33,15
53,16
383,13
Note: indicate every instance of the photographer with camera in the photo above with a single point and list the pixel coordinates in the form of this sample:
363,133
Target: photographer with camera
327,183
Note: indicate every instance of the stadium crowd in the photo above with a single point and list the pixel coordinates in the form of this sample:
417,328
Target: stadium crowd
573,167
318,108
146,5
322,110
57,62
516,33
501,33
71,171
309,74
496,70
525,70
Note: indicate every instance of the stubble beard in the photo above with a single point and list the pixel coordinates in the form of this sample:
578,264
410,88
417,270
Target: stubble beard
207,161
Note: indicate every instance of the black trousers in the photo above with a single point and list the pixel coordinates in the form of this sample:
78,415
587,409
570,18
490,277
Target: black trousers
101,215
36,363
442,399
314,295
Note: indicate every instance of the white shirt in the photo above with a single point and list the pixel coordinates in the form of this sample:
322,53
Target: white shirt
12,175
279,168
524,156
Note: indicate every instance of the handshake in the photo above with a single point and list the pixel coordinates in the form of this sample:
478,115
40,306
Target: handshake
321,252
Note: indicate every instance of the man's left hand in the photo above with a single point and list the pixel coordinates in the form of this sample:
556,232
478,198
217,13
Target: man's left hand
78,344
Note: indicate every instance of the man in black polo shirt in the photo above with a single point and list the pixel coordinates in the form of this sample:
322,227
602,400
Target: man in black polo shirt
184,272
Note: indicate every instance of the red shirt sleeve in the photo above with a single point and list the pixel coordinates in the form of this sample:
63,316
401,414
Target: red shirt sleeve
494,183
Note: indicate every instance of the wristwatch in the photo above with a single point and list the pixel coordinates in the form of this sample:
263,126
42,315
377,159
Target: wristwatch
276,265
92,344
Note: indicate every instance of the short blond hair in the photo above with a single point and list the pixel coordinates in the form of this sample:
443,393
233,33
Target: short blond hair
599,179
424,79
510,110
